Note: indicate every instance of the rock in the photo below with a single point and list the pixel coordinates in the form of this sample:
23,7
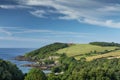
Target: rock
22,58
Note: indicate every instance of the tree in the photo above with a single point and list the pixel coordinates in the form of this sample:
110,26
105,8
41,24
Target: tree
56,69
53,77
35,74
9,71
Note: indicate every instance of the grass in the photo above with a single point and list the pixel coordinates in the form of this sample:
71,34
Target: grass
78,49
115,54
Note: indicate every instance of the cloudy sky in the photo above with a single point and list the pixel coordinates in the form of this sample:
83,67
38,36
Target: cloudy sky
34,23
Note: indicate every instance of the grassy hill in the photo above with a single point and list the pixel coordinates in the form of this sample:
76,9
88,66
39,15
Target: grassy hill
110,55
89,51
100,64
46,51
79,50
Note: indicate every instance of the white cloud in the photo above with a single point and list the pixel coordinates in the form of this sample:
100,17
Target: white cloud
106,23
26,39
86,11
7,6
5,32
23,31
20,30
110,8
10,31
19,34
51,32
15,7
38,13
37,2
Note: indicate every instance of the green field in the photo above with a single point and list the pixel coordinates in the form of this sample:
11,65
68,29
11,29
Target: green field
115,54
78,49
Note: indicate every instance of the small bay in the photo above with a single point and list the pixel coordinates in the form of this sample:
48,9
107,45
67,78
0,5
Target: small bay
10,53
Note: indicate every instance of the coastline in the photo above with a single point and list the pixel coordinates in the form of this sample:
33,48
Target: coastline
33,63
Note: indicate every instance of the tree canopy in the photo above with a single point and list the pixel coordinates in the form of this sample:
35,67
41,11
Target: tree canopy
46,50
105,44
35,74
99,69
9,71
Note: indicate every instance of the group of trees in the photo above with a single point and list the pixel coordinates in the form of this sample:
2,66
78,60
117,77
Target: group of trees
46,50
35,74
105,44
9,71
98,69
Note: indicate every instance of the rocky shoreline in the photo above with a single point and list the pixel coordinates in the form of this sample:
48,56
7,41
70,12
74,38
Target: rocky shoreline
42,67
35,65
23,58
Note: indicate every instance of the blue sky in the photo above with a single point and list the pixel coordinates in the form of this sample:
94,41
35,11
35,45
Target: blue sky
34,23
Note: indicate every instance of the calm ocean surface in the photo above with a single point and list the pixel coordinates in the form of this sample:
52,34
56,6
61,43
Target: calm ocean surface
10,53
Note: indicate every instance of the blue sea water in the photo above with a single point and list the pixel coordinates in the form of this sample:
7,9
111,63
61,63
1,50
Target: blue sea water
10,53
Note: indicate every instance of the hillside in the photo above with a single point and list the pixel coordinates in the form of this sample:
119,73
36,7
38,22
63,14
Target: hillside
46,50
97,61
89,51
110,55
83,50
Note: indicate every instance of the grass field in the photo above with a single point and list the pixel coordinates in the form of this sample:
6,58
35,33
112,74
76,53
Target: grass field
79,49
115,54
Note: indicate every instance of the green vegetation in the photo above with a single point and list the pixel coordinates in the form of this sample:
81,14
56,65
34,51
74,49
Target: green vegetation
94,61
105,44
46,51
85,50
52,76
110,55
72,69
9,71
35,74
73,50
98,69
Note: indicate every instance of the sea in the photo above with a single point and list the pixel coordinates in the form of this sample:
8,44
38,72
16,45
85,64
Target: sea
10,53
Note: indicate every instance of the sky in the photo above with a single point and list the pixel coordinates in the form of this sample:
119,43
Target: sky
35,23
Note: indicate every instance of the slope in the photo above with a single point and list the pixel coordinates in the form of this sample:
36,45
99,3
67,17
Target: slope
110,55
78,49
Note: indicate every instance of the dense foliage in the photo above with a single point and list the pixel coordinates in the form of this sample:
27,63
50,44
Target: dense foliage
35,74
9,71
105,44
71,69
46,50
99,69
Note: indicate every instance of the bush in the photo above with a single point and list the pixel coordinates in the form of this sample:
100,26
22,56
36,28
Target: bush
35,74
9,71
